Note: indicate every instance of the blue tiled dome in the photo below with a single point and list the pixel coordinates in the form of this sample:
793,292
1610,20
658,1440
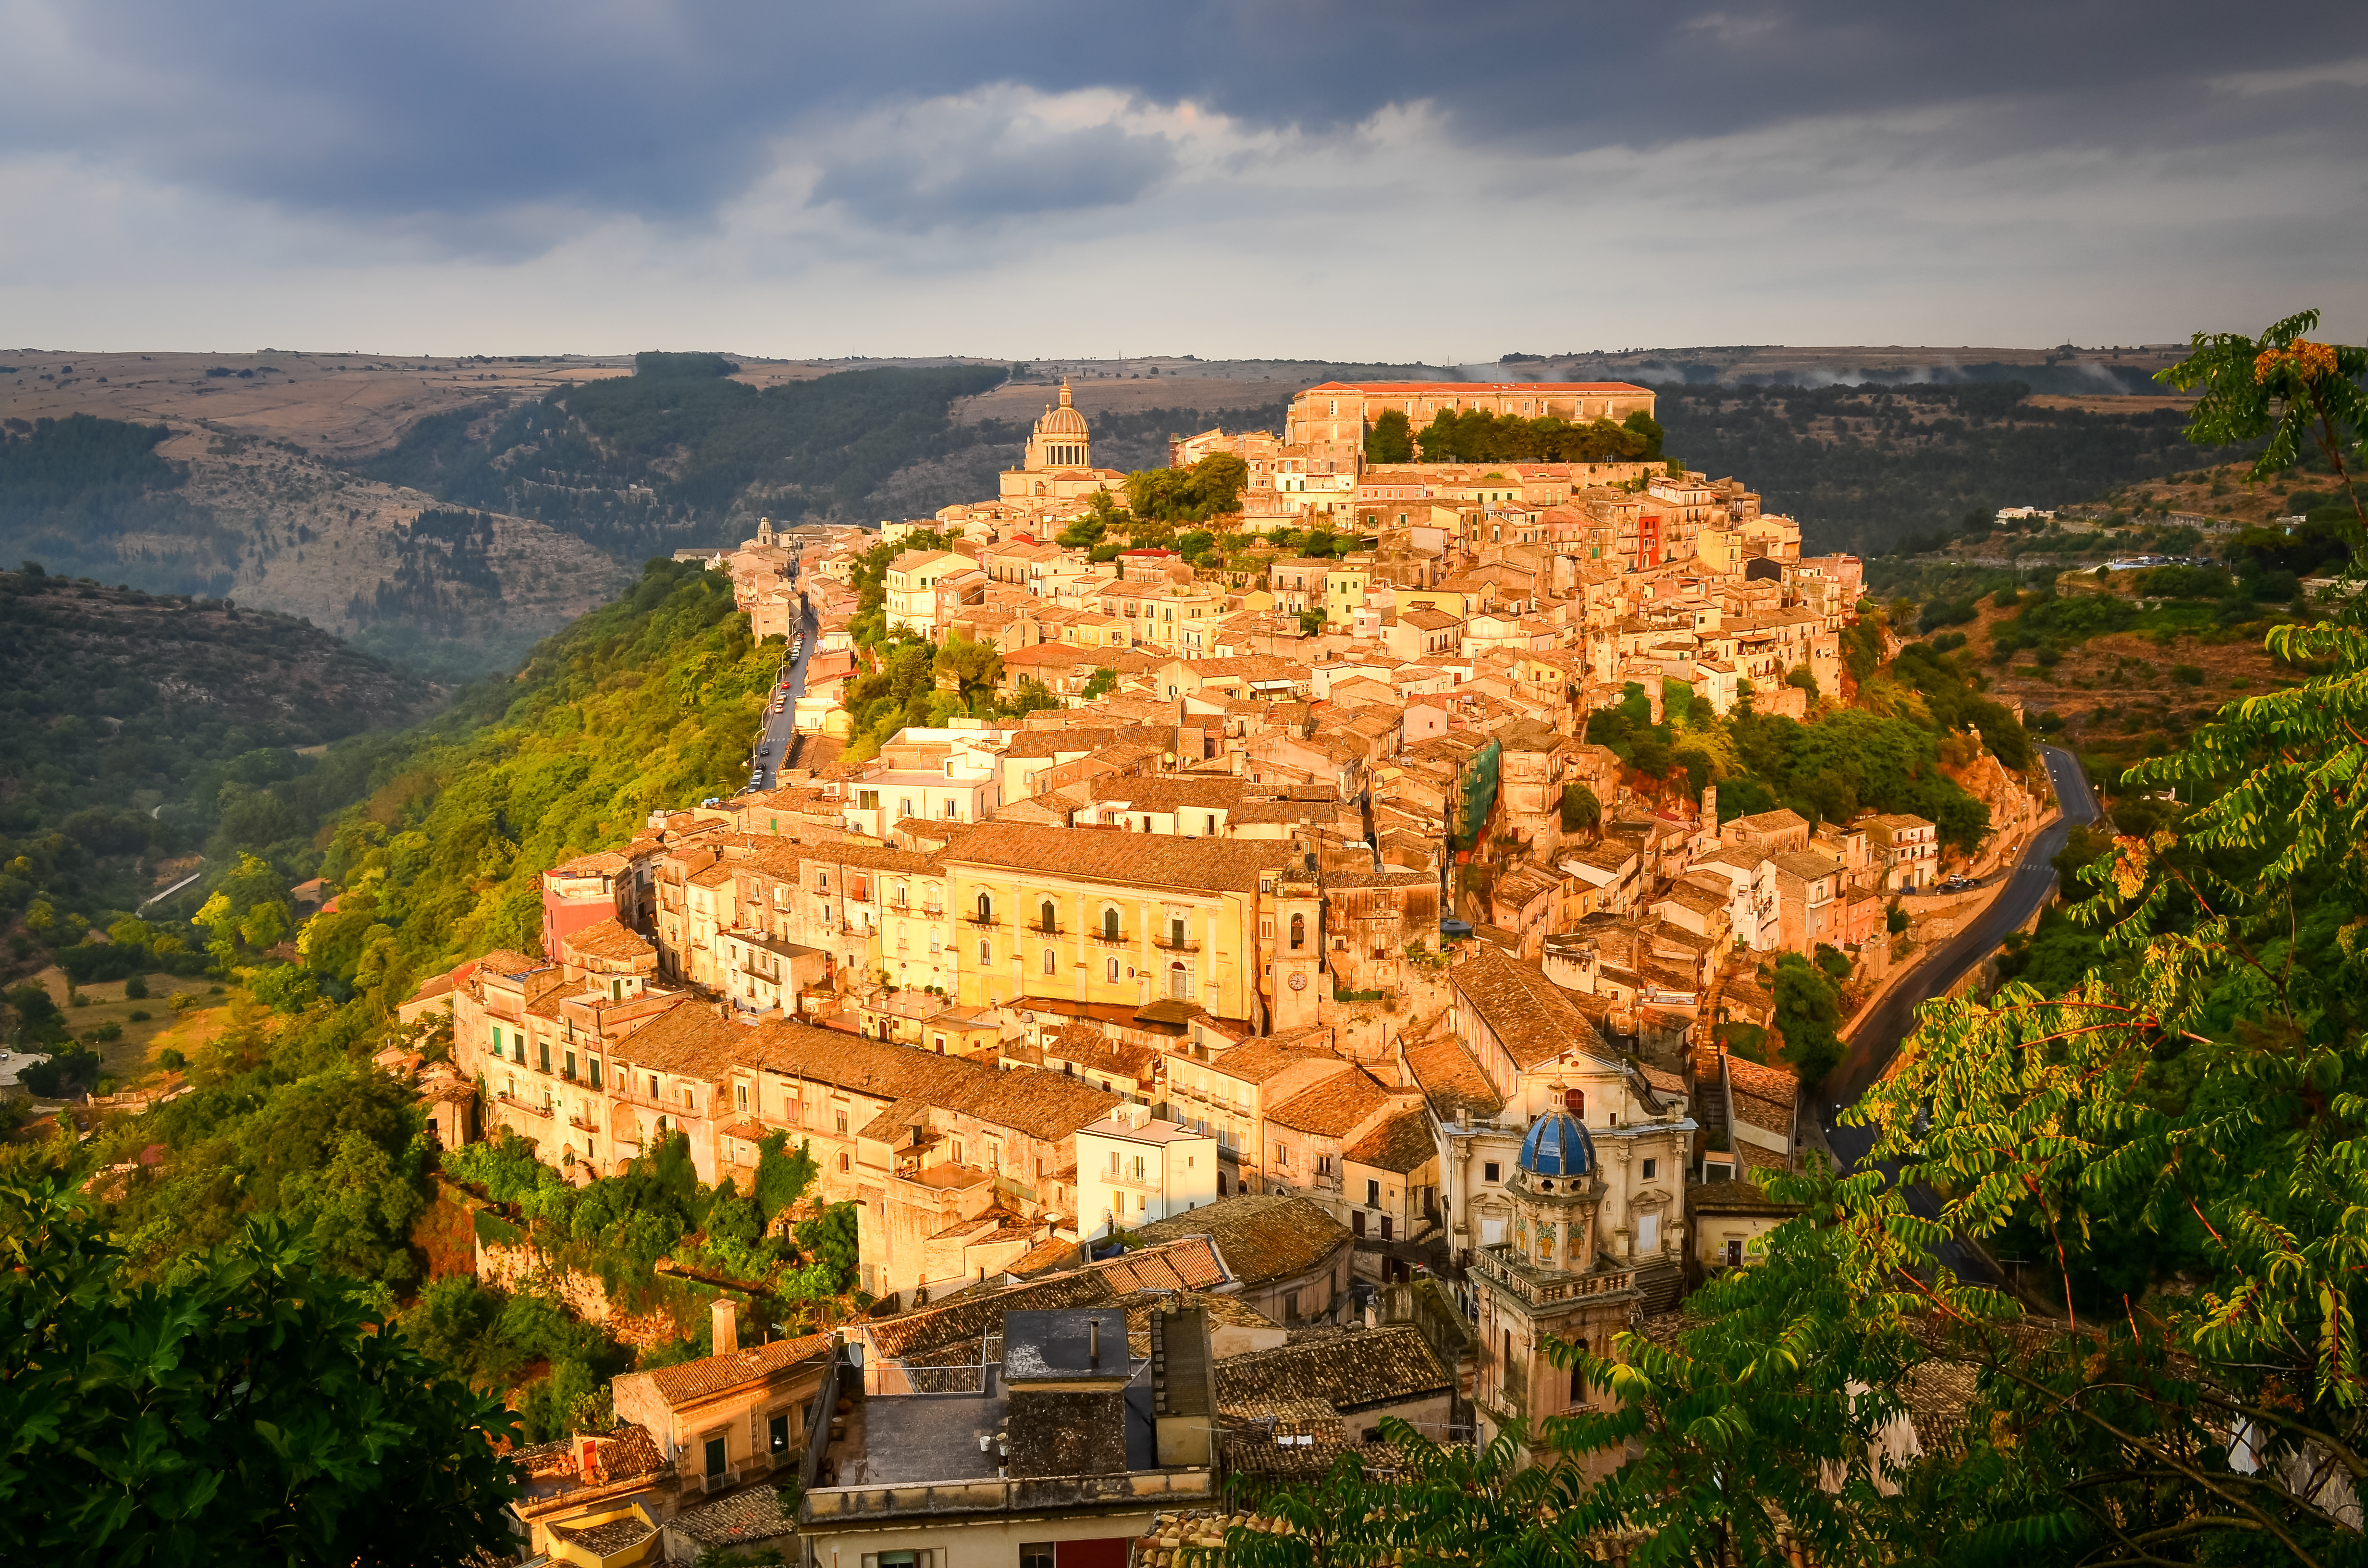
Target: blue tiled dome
1558,1146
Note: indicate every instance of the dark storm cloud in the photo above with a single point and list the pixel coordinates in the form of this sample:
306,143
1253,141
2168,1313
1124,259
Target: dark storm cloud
452,113
976,162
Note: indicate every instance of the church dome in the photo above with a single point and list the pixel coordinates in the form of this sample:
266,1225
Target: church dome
1064,420
1558,1146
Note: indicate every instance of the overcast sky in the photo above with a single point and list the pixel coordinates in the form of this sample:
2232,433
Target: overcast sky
1366,180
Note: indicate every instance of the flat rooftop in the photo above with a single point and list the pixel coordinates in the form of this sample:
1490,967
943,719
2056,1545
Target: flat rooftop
914,1438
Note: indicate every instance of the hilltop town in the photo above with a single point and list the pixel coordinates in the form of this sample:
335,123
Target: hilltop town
1277,987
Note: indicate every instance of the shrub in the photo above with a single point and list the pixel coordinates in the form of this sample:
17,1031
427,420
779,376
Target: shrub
136,988
140,1015
172,1059
2187,674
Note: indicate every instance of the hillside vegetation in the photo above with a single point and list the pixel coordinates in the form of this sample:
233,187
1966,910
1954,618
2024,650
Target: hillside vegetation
138,729
659,458
438,835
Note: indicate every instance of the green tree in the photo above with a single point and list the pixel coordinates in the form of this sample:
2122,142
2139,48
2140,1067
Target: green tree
1391,440
784,1176
39,1020
1808,1014
247,1413
1210,488
973,663
1647,429
2280,388
1581,811
1101,683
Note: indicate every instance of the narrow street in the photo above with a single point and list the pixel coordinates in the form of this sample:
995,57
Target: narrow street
773,741
1878,1036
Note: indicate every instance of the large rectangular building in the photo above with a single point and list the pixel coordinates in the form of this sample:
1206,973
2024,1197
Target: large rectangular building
1330,420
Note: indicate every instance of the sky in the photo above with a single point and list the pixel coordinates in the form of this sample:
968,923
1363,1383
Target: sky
1373,181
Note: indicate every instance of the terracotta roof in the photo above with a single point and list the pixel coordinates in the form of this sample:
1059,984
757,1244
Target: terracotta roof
690,1380
1261,1237
608,939
1451,1080
601,861
1533,1018
1735,1198
743,1518
1349,1373
1126,859
1401,1143
1256,1061
688,1039
504,961
1774,1091
1332,1108
1048,1106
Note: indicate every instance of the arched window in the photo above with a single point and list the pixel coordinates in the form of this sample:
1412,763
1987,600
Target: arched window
1110,928
985,908
1109,971
1578,1381
985,953
1049,960
1298,932
1575,1102
1179,982
1046,918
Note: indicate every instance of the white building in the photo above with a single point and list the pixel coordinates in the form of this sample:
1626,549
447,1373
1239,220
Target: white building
912,586
1133,1170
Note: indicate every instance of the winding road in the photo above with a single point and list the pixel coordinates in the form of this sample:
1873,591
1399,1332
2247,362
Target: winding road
1877,1037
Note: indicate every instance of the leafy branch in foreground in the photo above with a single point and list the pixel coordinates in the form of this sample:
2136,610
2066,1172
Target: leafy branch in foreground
253,1414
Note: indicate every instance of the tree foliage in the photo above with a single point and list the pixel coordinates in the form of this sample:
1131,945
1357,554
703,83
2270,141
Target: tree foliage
247,1411
1210,488
1477,435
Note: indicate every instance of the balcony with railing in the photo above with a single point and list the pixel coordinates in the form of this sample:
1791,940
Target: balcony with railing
1110,938
1173,943
1039,928
1504,1263
530,1107
1146,1181
984,922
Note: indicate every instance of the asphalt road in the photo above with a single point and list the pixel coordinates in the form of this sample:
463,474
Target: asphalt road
1879,1034
775,739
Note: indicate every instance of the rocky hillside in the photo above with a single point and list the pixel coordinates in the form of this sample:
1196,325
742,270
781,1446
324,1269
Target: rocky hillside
178,509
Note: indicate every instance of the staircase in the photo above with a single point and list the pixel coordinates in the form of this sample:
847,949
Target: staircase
1660,1285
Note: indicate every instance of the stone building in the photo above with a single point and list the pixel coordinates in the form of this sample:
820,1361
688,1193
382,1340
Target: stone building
1554,1278
1059,465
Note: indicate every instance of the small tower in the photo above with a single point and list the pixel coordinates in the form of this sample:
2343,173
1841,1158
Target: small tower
1548,1280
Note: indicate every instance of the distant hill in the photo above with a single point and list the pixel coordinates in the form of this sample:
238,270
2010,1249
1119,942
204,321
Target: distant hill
137,729
649,463
449,512
181,510
1865,468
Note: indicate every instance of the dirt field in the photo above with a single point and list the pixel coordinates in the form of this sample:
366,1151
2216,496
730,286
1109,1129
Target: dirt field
133,1056
338,405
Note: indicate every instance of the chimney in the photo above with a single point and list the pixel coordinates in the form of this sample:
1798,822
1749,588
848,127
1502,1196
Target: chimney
724,1325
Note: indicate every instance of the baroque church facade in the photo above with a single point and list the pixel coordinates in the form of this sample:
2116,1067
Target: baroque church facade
1059,463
